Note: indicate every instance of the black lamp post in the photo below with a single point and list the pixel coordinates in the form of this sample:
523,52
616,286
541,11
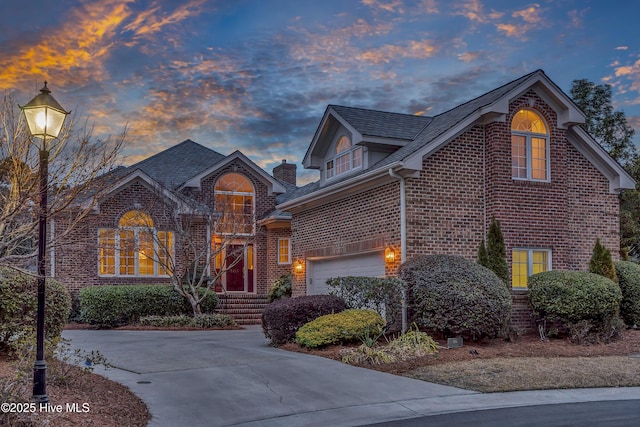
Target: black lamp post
45,118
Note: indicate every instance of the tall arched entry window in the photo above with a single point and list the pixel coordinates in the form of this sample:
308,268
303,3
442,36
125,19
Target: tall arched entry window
135,248
231,242
529,147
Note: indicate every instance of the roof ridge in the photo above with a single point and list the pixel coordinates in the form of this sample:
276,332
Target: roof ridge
377,111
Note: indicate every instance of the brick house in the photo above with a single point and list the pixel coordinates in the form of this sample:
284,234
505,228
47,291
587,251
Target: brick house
393,186
134,217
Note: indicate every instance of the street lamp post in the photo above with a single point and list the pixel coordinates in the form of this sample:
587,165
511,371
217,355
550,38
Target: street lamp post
45,118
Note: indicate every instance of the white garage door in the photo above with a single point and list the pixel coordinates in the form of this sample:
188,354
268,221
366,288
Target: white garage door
318,271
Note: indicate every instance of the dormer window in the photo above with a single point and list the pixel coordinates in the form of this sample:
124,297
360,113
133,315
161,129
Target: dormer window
347,157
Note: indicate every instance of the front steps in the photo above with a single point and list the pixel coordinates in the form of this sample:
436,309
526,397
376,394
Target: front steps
246,309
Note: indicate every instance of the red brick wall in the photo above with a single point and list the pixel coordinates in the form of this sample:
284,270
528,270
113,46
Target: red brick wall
275,270
357,223
445,204
76,260
461,187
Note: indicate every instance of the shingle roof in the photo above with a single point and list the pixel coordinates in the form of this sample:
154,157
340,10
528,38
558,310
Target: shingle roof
175,165
447,120
381,123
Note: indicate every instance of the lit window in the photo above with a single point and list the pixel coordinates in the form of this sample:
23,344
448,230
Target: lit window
234,200
347,158
135,248
529,147
526,262
284,251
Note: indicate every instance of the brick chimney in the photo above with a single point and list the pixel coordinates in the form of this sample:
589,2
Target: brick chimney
285,172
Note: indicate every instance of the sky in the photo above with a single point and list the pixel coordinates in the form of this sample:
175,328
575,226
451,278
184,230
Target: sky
257,75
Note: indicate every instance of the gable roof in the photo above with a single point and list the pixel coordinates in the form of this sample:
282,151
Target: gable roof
273,184
381,123
175,165
442,128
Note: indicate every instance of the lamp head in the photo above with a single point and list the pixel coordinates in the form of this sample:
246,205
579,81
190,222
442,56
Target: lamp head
44,115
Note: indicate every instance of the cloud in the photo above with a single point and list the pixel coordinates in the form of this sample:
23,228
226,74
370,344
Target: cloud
394,6
413,49
577,16
73,53
530,18
622,48
473,10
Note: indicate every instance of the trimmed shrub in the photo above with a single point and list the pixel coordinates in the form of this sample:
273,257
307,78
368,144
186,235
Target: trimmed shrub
111,306
601,263
628,274
281,288
380,294
346,326
496,252
576,298
19,306
454,296
214,320
282,318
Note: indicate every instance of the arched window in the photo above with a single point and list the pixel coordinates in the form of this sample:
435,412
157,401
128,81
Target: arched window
135,248
347,157
529,147
234,198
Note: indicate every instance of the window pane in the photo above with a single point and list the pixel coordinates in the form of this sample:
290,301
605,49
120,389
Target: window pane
343,163
538,158
165,251
329,172
528,121
136,219
127,252
146,254
283,251
518,156
107,252
343,144
234,182
540,261
519,267
357,157
237,213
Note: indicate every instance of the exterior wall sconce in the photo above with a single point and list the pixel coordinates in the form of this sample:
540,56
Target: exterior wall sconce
298,266
389,255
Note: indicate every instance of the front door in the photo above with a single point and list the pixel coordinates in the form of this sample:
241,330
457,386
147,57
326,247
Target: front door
235,273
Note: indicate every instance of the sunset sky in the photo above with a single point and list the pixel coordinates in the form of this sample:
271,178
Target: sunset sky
257,75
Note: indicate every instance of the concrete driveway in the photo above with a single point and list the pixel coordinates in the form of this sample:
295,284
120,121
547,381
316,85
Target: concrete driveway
223,378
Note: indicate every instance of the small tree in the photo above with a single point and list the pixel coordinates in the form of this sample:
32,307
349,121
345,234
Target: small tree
483,257
496,252
601,262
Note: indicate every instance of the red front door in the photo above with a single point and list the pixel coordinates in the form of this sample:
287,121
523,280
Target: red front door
235,273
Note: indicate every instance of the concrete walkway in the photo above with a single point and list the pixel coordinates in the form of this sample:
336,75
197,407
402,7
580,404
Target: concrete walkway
225,378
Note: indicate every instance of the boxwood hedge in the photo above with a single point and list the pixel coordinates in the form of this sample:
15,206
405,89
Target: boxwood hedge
629,280
346,326
454,296
574,296
18,305
282,318
111,306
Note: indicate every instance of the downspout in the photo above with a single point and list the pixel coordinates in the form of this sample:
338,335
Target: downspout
403,239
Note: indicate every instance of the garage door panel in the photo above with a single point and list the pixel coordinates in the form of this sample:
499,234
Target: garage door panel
370,265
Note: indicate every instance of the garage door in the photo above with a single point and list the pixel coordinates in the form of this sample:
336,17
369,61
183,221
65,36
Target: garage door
318,271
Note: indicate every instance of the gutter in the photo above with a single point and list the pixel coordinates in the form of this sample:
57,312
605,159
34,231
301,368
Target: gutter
403,215
403,239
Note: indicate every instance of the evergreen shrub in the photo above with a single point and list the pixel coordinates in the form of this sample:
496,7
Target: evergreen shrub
346,326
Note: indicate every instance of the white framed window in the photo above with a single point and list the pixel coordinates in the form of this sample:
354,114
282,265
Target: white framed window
347,158
284,251
135,248
529,147
527,262
234,198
